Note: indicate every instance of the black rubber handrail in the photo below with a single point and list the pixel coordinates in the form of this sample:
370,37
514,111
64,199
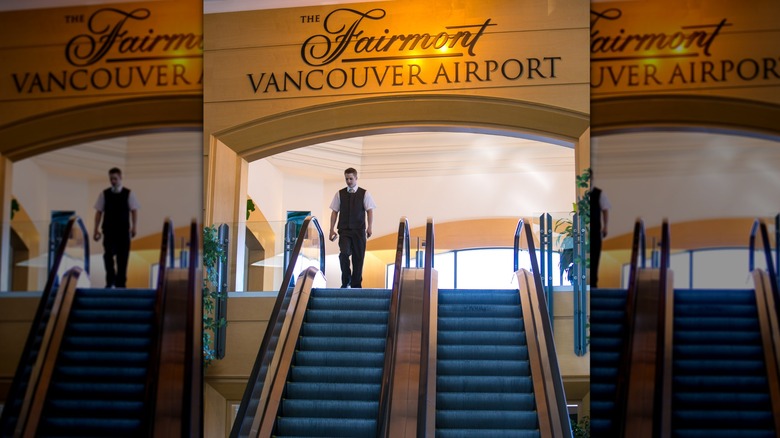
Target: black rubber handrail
401,261
759,227
166,247
262,362
553,383
422,402
518,230
662,393
193,389
637,261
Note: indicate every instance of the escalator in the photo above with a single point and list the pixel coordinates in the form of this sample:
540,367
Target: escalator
92,361
98,386
692,362
333,386
411,361
321,366
484,384
720,385
496,369
612,314
607,338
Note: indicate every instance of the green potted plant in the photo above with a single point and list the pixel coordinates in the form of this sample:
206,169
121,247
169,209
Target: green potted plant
213,254
566,236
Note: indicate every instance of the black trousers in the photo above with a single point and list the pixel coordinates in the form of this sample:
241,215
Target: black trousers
352,243
116,246
595,257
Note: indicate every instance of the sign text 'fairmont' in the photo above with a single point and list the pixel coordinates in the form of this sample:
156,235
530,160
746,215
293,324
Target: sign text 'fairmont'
112,54
396,60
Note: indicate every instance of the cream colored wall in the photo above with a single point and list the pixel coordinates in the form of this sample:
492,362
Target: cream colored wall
17,311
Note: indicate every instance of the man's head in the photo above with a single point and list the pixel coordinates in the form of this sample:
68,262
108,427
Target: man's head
115,176
350,176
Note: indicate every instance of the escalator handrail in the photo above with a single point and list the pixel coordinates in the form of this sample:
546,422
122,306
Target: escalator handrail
553,384
663,391
255,378
178,369
424,414
43,306
43,368
760,227
193,388
518,231
166,246
83,229
401,261
637,262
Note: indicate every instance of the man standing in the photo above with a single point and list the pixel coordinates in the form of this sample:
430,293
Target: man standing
354,208
118,208
599,217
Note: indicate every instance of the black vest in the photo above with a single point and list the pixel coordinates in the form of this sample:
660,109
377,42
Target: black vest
116,211
595,212
352,212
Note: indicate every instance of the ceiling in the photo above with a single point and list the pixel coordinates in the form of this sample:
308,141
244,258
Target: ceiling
426,153
160,155
678,153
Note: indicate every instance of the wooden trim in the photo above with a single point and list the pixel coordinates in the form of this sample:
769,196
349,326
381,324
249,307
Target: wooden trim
641,384
534,355
770,338
388,369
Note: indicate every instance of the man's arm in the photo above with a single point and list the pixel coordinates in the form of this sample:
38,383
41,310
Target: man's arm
333,215
605,214
98,216
133,221
370,214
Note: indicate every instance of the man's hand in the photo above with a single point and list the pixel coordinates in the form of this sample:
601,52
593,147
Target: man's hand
332,235
97,235
604,232
132,231
369,232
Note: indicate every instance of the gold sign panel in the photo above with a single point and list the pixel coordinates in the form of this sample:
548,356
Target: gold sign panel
499,48
56,58
708,48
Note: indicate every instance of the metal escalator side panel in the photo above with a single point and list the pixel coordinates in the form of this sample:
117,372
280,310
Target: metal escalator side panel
271,397
649,373
770,337
404,397
545,373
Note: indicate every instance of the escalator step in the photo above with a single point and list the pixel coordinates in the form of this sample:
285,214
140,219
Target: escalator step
484,401
332,409
341,427
486,433
303,374
482,419
496,368
485,384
